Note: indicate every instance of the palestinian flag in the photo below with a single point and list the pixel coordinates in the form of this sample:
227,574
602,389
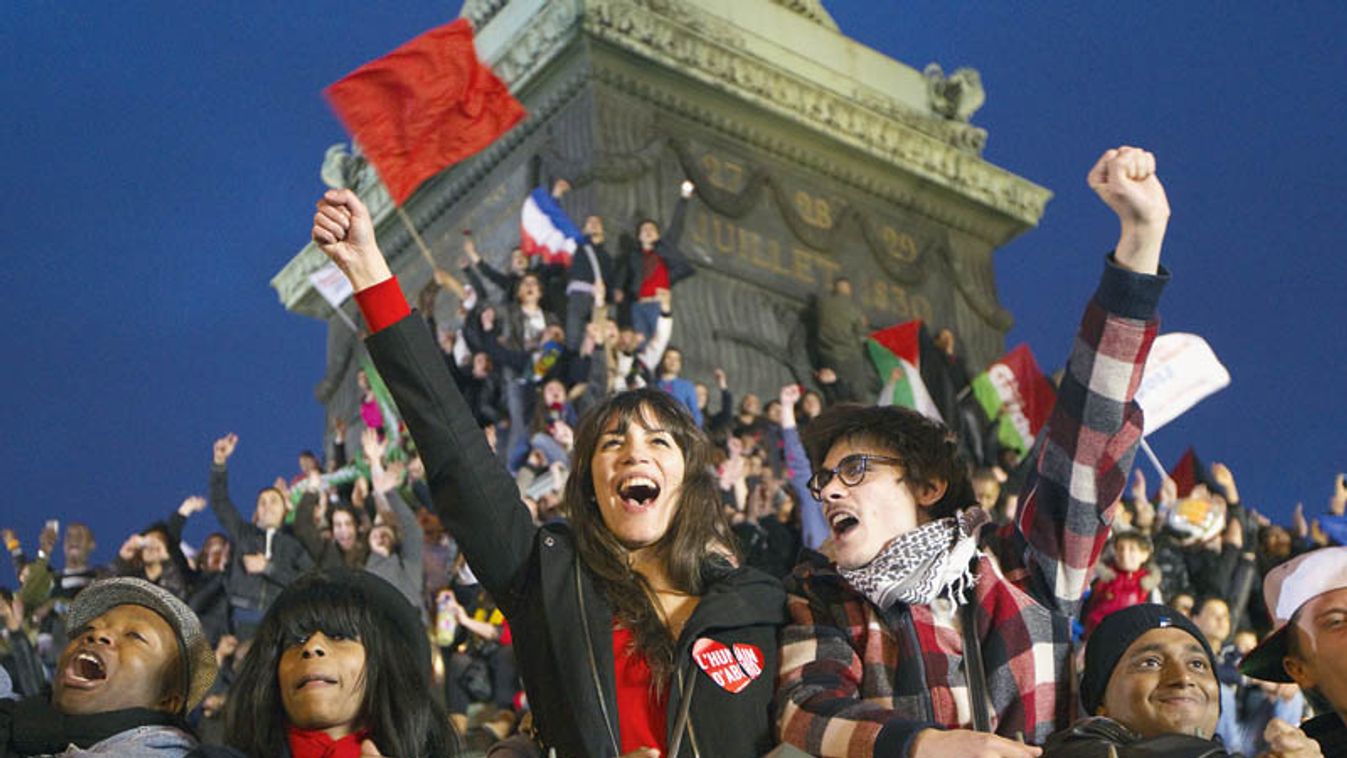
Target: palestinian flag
899,347
1015,382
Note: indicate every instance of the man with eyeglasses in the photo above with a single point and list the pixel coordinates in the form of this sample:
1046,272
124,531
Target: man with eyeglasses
874,661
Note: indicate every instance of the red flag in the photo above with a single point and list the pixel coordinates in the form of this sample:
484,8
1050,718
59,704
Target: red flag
1187,473
424,107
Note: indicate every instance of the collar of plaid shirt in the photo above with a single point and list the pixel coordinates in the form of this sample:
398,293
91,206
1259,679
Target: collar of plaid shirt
917,567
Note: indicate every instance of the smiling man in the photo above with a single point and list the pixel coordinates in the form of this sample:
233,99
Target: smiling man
875,660
1307,598
1150,688
136,663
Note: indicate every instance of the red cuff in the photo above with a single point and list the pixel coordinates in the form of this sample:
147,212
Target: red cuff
383,304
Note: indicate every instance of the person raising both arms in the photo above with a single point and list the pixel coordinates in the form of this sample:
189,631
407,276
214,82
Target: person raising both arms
637,631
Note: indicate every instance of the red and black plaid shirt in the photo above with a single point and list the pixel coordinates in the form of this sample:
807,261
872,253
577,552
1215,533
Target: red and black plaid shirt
858,680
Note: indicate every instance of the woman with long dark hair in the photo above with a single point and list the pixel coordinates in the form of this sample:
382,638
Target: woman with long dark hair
635,628
339,666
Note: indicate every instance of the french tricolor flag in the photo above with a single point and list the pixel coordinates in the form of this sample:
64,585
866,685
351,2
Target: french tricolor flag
546,230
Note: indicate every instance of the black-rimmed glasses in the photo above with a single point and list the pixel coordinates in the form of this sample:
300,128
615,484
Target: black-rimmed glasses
851,470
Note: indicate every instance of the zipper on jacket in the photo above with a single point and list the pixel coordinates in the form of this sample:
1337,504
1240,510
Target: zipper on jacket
683,722
593,662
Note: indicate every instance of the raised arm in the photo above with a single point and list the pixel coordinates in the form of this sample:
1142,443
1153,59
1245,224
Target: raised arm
385,481
813,527
474,496
1087,448
220,504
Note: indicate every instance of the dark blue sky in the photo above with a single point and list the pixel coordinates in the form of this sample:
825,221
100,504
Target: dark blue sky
161,162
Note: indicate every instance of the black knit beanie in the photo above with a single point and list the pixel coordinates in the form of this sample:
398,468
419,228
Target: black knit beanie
1115,634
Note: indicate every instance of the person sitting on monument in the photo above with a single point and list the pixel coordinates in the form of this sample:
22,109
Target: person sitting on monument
136,664
1307,598
636,631
916,638
840,336
591,269
1150,688
656,263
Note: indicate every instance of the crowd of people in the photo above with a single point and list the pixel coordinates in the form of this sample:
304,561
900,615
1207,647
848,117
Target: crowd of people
537,537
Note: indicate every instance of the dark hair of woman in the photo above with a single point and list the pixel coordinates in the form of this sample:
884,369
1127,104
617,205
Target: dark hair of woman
395,710
697,546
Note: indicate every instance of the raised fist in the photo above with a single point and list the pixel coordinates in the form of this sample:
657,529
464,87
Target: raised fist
193,504
1125,179
224,447
344,231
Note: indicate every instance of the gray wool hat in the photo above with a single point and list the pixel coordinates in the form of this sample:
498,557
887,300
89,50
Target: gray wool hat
198,658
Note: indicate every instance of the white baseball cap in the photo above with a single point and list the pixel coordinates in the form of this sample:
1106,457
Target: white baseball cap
1287,588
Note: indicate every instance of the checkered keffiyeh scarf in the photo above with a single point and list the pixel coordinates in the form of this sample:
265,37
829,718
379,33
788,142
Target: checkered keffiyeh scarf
917,567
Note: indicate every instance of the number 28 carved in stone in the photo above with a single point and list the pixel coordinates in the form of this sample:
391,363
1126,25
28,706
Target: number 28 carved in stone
814,211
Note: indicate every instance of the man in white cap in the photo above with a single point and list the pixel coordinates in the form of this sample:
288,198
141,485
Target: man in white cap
1307,598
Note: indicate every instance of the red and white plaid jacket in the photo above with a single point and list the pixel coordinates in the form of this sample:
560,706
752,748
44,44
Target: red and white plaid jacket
858,680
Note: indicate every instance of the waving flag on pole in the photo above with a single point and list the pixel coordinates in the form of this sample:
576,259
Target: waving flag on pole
424,107
1182,370
896,353
1014,388
546,230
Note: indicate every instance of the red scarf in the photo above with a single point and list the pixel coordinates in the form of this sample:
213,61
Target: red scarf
305,743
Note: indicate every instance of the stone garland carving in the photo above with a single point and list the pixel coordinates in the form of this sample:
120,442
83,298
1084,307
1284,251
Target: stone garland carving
540,39
480,12
790,152
920,142
810,9
618,168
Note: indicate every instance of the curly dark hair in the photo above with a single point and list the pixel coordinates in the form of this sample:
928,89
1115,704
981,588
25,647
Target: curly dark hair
697,547
929,451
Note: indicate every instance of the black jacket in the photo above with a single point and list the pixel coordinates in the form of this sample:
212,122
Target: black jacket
562,625
666,248
1329,730
1105,738
288,557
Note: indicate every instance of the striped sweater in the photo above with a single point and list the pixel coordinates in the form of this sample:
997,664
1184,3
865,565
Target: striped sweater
859,680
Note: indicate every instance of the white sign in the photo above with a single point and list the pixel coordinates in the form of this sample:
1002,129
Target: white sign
1180,372
332,284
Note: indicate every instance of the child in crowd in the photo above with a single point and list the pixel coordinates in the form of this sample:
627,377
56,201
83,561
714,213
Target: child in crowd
1127,580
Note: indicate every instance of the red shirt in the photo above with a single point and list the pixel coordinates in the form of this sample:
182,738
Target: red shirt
655,275
641,716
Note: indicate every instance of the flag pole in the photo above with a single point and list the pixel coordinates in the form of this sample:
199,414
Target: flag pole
341,314
452,282
1155,461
